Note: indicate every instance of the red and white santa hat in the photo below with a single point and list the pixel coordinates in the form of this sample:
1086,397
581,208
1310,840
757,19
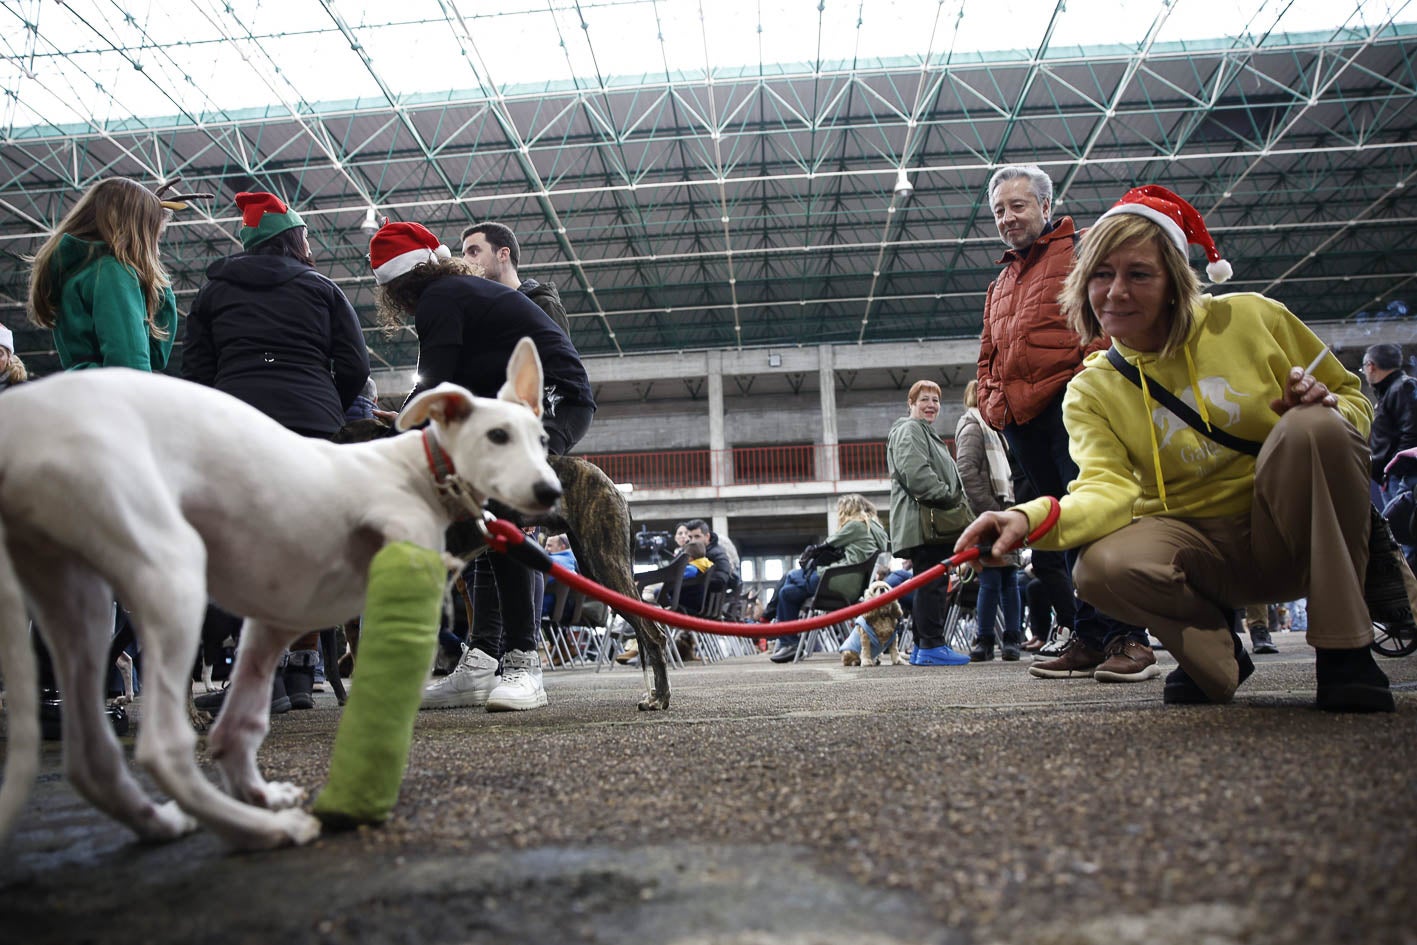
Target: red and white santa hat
1181,222
397,247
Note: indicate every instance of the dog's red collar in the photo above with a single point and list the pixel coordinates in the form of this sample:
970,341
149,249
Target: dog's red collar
459,501
440,464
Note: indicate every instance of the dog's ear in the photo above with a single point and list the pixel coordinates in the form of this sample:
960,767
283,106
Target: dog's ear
524,379
446,403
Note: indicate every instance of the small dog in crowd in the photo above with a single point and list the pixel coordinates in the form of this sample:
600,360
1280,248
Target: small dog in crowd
882,621
211,498
595,516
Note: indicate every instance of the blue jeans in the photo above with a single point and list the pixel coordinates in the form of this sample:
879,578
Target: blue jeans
999,587
1041,448
794,591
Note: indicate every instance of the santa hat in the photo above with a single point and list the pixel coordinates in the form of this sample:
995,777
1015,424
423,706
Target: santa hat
1181,221
398,247
263,216
7,339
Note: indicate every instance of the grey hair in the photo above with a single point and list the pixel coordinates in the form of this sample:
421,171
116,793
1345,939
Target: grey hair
1042,184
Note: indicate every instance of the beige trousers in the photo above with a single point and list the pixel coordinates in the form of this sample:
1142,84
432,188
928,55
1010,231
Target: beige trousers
1306,535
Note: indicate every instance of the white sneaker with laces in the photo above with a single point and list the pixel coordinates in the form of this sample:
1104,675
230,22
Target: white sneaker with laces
469,684
1057,642
521,687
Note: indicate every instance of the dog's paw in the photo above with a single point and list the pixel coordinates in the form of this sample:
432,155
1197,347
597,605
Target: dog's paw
278,795
650,702
167,822
299,827
284,828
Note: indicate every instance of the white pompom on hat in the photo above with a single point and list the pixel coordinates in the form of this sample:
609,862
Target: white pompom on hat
397,247
1181,221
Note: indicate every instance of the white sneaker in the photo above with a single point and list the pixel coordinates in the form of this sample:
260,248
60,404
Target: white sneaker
1057,642
469,684
520,687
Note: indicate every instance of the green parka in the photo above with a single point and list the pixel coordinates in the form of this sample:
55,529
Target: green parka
922,472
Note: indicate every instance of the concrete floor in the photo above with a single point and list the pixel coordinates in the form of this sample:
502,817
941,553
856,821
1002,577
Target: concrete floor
799,804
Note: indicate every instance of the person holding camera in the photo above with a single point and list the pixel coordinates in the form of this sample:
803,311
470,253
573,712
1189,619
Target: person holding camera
858,536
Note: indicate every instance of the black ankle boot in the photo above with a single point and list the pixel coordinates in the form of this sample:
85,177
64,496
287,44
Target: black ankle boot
982,651
1181,689
300,679
1349,681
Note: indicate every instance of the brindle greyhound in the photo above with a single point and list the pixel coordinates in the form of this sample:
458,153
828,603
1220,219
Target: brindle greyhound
596,518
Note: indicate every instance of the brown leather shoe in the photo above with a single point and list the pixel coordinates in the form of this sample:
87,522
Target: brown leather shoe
1033,645
1127,661
1077,659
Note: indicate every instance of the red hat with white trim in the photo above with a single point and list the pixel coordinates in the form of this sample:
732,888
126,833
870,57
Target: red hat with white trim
1181,222
397,247
263,215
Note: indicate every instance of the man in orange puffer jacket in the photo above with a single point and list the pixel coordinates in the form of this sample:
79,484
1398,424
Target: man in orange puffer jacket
1027,355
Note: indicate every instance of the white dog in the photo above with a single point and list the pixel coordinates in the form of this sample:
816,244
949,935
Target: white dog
163,493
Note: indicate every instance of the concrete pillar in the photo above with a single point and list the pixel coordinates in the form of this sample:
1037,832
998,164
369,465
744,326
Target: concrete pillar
828,466
721,462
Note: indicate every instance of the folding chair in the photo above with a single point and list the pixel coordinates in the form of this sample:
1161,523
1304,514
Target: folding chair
671,577
840,586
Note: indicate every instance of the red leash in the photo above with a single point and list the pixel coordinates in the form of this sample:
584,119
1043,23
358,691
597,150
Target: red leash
505,538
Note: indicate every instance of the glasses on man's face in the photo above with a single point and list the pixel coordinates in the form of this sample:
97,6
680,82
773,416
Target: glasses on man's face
1368,364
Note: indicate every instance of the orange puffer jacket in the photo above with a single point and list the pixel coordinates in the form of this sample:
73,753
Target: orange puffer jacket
1027,352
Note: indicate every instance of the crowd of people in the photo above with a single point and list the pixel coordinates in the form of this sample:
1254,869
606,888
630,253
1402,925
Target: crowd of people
1158,416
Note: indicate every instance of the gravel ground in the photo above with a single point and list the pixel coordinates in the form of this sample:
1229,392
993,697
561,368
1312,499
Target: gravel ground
805,803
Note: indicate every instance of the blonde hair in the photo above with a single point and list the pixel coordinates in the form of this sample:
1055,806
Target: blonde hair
126,217
854,507
971,394
1103,240
920,387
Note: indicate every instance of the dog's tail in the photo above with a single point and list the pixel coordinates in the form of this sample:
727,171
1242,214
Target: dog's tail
21,695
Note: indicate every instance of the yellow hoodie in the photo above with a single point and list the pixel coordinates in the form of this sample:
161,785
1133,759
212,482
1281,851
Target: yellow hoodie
1135,458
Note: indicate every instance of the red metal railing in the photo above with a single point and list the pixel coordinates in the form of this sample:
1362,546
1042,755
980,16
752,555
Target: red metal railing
745,465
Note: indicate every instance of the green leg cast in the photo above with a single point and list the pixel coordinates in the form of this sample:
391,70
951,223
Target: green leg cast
400,632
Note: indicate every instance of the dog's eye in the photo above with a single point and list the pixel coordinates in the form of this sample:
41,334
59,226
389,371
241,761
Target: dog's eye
499,436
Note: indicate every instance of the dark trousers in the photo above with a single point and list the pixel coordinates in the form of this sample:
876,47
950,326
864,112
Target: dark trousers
505,606
931,606
1041,448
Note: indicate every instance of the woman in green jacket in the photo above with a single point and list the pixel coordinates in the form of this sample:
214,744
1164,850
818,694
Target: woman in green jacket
99,285
923,474
858,536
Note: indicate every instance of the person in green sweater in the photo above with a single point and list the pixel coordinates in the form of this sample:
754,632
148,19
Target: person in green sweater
98,281
858,536
1259,494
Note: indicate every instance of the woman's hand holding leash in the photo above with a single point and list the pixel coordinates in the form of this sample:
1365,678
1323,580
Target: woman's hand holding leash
999,532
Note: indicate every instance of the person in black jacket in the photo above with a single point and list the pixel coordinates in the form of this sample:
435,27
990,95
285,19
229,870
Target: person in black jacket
1394,418
269,330
467,326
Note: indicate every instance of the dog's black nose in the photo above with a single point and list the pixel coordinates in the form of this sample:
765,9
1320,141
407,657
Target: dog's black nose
547,493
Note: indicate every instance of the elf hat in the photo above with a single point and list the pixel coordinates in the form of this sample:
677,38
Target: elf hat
1181,221
263,216
398,247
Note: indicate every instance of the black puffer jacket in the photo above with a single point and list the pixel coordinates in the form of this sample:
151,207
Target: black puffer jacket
1394,423
275,333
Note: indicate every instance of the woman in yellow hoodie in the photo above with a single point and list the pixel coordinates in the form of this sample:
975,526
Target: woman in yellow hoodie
1263,487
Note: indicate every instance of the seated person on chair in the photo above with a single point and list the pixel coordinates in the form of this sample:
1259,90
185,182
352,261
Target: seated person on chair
691,599
559,549
858,536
